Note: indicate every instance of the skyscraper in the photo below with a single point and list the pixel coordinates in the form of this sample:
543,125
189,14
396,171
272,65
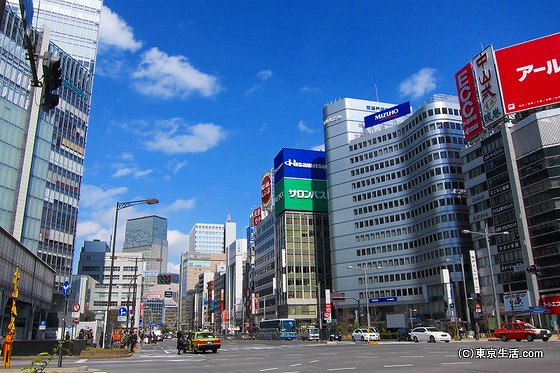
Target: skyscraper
207,238
45,155
148,236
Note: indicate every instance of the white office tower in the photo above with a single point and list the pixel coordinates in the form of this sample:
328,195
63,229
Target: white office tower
395,212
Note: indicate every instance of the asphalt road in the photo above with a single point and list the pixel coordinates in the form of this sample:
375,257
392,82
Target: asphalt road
273,356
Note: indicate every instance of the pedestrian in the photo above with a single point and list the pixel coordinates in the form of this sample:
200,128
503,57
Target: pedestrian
133,340
477,331
180,342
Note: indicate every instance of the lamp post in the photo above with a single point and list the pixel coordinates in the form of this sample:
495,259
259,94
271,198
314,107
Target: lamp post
487,236
464,288
366,291
119,206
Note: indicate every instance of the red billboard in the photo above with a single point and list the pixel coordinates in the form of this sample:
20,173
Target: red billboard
530,73
470,110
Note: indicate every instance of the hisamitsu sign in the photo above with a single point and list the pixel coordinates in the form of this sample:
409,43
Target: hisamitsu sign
387,115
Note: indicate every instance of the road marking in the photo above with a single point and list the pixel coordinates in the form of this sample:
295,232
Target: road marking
81,361
398,366
295,365
313,361
457,363
268,369
337,369
411,356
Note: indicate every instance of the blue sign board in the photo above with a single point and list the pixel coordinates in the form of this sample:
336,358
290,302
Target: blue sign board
382,300
387,114
538,309
300,164
65,288
122,311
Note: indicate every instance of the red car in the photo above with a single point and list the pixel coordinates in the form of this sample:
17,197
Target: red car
519,330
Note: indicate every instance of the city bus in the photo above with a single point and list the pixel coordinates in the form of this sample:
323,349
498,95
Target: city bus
284,329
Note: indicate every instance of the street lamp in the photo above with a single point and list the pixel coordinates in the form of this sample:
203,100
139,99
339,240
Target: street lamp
449,260
487,236
119,206
364,267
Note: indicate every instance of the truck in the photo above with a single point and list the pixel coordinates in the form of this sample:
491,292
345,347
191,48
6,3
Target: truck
310,334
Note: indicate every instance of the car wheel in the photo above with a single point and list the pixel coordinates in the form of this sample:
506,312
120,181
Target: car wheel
415,339
214,350
518,340
503,338
545,339
432,339
530,337
447,341
353,339
363,338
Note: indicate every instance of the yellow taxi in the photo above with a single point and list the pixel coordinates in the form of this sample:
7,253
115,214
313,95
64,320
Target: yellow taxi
202,341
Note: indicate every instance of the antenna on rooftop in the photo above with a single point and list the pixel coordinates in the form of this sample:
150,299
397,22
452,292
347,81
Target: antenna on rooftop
375,84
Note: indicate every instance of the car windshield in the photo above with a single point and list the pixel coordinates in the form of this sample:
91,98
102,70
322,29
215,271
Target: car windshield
528,326
206,335
432,329
371,330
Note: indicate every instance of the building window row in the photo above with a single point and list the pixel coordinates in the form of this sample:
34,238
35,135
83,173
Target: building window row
435,237
405,260
402,130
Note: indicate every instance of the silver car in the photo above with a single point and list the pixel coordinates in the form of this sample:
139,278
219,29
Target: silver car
365,334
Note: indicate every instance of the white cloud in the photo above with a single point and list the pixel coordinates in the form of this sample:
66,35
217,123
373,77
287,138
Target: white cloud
319,148
181,204
264,75
177,243
303,128
131,171
176,166
165,76
93,196
173,137
306,89
419,83
114,32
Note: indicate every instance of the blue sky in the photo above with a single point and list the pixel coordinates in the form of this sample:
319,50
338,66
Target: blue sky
193,99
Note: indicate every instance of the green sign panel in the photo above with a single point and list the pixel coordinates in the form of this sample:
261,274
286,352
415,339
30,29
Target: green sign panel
301,195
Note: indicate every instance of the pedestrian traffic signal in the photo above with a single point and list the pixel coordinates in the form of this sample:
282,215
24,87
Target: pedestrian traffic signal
52,80
164,279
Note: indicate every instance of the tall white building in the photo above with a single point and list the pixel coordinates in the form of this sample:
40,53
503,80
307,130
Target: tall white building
207,238
395,212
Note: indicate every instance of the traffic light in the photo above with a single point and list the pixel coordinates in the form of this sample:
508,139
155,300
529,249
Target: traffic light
164,279
52,80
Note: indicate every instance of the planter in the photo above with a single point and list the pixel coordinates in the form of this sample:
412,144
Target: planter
92,353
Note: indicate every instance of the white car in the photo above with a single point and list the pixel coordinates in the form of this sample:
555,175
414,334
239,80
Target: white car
365,334
430,334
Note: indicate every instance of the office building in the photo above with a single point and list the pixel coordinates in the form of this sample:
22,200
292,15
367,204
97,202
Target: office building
41,166
511,183
147,237
396,210
207,238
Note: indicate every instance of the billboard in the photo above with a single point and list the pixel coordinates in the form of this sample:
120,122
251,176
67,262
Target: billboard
387,114
468,101
301,195
266,189
300,164
530,73
488,88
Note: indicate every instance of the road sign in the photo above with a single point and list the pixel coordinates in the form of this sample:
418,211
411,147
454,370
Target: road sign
122,311
538,309
42,325
382,300
65,288
76,307
76,320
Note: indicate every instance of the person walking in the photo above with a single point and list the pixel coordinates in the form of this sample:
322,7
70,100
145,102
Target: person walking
180,342
477,331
